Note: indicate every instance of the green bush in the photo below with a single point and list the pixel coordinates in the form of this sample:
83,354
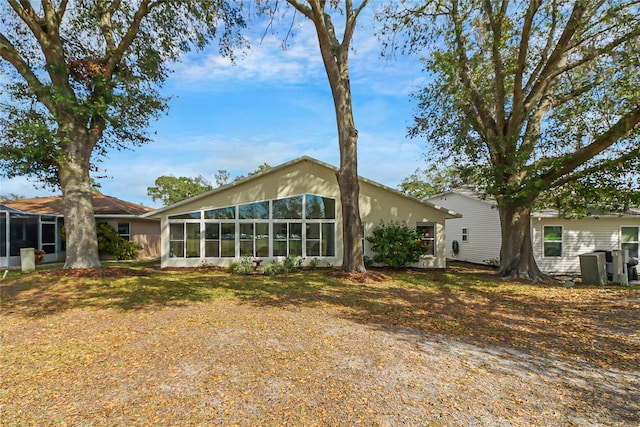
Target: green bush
244,266
289,264
110,242
395,244
273,268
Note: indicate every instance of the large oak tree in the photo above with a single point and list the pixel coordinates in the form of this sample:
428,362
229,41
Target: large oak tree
544,95
83,77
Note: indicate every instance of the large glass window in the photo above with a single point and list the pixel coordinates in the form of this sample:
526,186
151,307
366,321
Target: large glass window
184,240
193,240
552,241
289,208
328,239
630,240
318,207
258,210
190,215
221,213
313,239
228,242
282,227
287,239
320,239
212,240
254,239
176,240
427,232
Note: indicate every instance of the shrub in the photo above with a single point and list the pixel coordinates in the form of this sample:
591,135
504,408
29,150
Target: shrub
273,268
289,264
244,266
395,244
111,243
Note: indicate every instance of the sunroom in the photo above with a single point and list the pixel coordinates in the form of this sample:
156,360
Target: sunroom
290,210
299,226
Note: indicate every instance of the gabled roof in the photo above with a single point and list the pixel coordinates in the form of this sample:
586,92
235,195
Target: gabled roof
102,206
257,176
468,193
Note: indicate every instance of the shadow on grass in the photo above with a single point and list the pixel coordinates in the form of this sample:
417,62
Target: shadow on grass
534,324
593,324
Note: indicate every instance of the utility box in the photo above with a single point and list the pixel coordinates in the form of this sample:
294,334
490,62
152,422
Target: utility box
593,268
620,261
28,259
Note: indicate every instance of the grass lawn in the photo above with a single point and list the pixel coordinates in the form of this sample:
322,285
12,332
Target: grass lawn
132,344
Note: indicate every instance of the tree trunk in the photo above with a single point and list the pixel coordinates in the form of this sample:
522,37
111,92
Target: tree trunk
79,219
516,252
352,259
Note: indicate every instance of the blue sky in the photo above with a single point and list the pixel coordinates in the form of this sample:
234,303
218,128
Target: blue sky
272,106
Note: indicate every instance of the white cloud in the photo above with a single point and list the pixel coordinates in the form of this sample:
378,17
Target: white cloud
264,61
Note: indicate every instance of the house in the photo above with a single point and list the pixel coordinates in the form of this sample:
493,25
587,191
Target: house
37,223
290,210
557,242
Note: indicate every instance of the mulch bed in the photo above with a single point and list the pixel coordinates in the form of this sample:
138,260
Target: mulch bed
95,272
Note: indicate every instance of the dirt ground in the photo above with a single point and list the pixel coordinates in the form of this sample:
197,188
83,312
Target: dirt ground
231,364
226,362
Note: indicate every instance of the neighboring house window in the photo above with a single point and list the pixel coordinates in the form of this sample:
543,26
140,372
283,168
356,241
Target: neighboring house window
552,241
124,230
630,237
302,225
465,234
427,231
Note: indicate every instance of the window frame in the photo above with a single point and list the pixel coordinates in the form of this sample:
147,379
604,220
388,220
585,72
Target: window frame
428,242
127,235
631,242
465,235
327,240
546,241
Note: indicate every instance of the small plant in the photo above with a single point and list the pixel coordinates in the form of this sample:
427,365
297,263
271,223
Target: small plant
395,244
292,263
273,268
315,262
289,264
244,266
39,255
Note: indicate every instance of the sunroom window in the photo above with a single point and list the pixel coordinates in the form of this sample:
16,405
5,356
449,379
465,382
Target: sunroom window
302,225
289,208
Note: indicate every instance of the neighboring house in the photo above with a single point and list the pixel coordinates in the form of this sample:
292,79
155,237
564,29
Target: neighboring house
37,223
557,242
292,209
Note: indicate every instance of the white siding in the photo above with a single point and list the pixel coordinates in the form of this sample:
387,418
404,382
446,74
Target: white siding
579,236
481,219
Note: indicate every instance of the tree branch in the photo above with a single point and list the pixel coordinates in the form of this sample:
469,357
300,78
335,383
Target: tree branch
518,112
117,54
572,161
